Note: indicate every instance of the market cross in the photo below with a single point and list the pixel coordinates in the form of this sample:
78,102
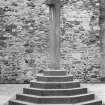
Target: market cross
55,87
54,33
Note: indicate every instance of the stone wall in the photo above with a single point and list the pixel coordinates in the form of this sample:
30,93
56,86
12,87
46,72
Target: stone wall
102,38
80,39
24,36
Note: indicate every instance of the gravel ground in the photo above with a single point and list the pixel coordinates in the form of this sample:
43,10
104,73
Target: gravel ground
8,91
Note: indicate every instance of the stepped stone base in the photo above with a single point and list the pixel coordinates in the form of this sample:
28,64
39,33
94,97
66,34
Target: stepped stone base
55,87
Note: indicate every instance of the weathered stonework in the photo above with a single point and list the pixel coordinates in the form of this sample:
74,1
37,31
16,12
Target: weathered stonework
24,37
102,37
80,40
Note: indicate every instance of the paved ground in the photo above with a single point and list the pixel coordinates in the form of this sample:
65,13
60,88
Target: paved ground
97,89
9,90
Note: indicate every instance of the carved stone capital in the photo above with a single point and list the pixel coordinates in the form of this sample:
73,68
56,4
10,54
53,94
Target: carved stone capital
50,2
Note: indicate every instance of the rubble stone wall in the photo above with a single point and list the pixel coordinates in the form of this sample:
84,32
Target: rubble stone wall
24,37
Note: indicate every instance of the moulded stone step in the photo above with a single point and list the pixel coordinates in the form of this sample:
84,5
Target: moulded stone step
54,92
55,85
18,102
55,99
92,102
54,78
55,72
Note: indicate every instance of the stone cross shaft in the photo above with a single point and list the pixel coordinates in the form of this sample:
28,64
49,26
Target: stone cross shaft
54,33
